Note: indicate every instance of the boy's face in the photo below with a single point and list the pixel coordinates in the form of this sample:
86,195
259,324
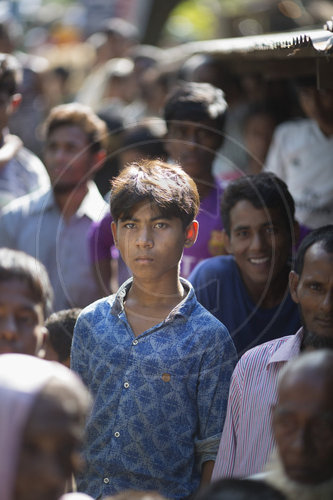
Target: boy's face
49,451
21,320
151,244
193,146
68,157
260,242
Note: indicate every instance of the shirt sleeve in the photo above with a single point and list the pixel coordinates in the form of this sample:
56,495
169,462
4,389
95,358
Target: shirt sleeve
212,394
225,460
9,228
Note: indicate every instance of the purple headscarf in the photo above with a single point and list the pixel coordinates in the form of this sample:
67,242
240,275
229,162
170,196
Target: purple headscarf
21,379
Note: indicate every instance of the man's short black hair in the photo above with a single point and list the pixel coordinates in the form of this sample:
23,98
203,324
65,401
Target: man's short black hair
16,265
61,328
264,190
322,235
196,102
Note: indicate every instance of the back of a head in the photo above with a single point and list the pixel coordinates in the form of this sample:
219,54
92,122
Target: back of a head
264,190
22,380
197,102
238,489
322,235
166,186
16,265
60,326
10,74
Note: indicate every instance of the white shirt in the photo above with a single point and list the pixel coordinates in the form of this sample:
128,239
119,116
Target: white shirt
35,225
302,156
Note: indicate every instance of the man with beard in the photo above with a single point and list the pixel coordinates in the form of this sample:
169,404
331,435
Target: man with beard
52,225
303,428
247,439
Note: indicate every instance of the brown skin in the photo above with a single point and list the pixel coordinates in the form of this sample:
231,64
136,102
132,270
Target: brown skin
193,146
21,320
152,246
313,291
70,164
318,105
49,453
260,243
303,423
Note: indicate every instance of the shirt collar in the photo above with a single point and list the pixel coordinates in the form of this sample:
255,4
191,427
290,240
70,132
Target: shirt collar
289,349
182,310
93,205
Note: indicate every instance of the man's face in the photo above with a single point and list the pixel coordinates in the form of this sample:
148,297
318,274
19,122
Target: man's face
313,291
260,243
68,157
318,105
49,451
21,320
193,146
303,427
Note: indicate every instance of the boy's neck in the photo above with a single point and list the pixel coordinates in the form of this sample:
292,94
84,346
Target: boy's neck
147,305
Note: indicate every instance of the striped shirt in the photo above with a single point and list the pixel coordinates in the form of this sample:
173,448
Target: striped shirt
247,440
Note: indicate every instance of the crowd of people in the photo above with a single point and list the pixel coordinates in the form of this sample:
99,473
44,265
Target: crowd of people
166,283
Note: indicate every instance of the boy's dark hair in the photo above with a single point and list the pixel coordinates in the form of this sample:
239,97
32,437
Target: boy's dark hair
15,265
239,489
61,328
10,74
144,138
79,115
263,190
322,235
166,186
196,102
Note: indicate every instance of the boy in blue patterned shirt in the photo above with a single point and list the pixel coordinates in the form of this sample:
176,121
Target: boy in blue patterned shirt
157,363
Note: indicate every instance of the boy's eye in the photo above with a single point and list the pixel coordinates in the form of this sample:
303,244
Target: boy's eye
244,233
160,225
270,229
316,287
129,225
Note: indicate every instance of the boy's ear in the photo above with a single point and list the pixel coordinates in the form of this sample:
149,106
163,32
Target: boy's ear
191,233
114,232
293,284
226,242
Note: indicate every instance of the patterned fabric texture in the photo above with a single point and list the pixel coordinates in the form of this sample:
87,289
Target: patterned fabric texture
160,397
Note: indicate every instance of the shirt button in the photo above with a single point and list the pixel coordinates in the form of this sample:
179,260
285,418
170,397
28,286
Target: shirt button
106,480
126,385
117,434
135,342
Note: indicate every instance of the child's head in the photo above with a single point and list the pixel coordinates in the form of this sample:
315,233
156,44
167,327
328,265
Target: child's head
25,301
153,205
195,115
60,326
165,186
42,414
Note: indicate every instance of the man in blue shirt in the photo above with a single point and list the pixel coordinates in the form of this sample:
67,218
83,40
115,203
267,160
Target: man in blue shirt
248,290
157,363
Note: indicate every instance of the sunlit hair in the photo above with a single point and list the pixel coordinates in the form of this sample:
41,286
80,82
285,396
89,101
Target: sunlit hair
322,235
15,265
79,115
166,186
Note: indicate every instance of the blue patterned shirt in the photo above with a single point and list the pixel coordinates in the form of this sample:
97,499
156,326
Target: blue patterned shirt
160,397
